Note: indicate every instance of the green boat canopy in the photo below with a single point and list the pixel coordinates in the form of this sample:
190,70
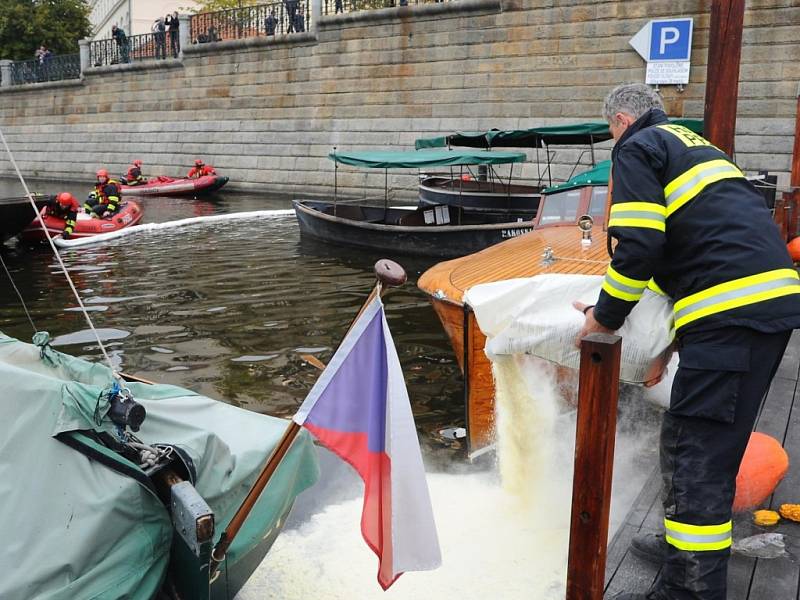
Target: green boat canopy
596,176
81,521
536,137
427,158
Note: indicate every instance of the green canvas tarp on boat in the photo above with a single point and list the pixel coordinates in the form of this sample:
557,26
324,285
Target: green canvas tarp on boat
424,159
597,175
75,528
536,137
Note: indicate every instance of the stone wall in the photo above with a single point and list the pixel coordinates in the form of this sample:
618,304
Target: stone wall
266,112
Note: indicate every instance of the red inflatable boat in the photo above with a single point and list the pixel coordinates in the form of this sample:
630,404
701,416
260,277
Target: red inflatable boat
129,214
167,186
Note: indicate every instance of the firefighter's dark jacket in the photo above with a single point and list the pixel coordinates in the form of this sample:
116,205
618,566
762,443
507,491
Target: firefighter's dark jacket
685,216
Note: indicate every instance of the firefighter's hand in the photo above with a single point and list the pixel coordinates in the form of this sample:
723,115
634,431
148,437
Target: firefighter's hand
590,325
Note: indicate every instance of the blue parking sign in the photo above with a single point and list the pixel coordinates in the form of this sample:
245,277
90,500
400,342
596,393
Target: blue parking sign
671,39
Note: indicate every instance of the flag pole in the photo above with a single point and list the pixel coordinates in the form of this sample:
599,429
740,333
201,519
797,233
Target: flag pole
388,274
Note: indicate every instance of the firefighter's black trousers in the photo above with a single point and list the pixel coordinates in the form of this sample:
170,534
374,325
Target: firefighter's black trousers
722,377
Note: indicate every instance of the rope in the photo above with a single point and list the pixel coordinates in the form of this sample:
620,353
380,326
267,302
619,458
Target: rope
58,257
19,295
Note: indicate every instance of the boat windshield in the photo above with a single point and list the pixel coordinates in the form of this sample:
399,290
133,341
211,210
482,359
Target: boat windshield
597,205
561,207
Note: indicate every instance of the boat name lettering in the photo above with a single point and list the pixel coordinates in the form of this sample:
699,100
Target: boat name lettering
510,233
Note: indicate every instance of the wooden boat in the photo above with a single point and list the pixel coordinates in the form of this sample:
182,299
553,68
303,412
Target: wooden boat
129,214
555,246
441,231
15,214
168,186
486,190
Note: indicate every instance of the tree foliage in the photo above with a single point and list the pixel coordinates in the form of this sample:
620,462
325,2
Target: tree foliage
26,24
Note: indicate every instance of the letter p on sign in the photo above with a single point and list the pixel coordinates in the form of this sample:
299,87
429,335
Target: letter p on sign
671,39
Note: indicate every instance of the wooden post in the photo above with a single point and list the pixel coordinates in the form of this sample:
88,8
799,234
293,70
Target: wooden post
594,464
722,75
794,179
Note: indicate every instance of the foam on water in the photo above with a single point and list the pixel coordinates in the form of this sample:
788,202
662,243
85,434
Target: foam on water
504,533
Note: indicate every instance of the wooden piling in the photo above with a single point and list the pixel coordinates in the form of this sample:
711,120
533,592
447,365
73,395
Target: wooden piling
594,461
722,77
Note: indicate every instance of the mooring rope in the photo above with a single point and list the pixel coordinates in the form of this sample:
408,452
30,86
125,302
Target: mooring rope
58,257
19,295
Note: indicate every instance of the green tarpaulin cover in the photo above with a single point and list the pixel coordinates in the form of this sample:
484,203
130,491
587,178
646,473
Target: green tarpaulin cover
75,528
595,176
428,158
536,137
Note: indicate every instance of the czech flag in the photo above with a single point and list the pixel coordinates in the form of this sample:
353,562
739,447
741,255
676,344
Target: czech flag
359,409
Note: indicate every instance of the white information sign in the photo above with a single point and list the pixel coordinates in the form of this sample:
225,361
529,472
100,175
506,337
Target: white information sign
667,72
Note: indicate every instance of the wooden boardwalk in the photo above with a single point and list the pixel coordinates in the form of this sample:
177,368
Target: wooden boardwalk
748,578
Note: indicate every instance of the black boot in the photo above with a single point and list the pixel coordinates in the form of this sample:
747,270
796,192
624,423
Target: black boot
649,546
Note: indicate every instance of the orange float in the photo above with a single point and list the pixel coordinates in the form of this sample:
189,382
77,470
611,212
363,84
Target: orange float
794,249
764,464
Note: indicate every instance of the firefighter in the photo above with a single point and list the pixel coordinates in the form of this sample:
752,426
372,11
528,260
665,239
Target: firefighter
104,200
685,217
200,170
65,206
134,175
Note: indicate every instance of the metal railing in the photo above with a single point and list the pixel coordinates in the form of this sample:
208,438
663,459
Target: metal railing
54,68
332,7
276,18
147,46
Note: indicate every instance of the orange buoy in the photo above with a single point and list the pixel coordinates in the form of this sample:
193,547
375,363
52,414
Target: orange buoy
466,177
794,249
764,464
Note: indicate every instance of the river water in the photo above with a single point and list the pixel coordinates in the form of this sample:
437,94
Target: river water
229,309
226,310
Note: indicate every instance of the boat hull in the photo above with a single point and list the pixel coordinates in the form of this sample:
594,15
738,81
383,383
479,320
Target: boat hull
446,282
130,214
167,186
15,214
480,196
386,230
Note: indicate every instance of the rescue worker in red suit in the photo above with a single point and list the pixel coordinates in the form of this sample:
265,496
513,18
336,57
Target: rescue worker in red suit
134,175
690,225
105,199
66,207
200,170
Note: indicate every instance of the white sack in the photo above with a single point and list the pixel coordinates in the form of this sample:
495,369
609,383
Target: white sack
535,316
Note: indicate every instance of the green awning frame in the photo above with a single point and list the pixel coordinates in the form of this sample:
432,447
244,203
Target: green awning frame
536,137
425,158
597,175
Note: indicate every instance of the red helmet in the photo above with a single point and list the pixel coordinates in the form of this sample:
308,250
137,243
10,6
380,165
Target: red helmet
65,199
102,173
198,163
137,163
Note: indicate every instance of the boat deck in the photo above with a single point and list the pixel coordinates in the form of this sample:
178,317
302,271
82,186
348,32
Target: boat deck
748,578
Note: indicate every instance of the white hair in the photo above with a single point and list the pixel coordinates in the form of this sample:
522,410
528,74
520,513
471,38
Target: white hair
633,99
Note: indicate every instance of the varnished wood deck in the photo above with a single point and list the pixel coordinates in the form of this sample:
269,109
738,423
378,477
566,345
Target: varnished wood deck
748,578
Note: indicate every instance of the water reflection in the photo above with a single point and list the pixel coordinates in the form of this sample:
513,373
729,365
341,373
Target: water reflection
228,309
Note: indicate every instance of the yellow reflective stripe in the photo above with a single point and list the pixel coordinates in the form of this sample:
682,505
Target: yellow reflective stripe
686,135
654,287
698,537
638,214
736,293
689,184
618,277
645,223
624,288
